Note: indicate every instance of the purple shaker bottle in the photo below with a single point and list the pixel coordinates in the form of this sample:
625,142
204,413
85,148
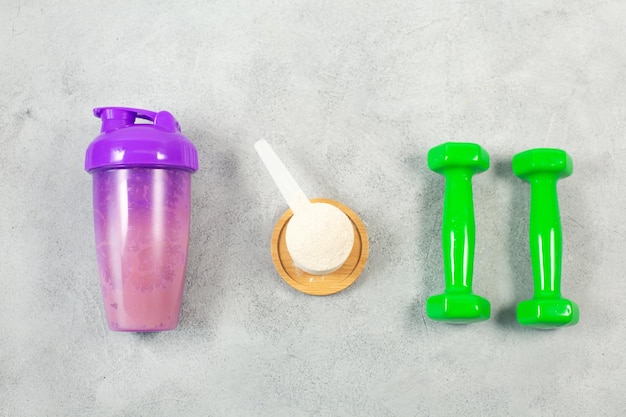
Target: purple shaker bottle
141,200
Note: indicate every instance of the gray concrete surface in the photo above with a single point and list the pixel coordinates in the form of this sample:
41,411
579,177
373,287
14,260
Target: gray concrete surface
351,94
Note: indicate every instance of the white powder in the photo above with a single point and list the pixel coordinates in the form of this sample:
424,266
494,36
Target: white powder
319,237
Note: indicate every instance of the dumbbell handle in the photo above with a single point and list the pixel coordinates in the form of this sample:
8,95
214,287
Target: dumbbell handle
458,230
545,235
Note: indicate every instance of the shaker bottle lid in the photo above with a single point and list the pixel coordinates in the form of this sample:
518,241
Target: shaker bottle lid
123,143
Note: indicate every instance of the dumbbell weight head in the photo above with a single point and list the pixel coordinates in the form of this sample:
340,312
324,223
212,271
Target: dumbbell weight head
545,161
458,307
458,155
547,313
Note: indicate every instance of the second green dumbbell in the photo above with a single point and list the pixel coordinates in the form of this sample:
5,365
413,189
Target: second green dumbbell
542,168
458,162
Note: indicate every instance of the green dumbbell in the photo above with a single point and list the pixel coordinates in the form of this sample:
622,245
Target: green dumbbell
542,168
458,162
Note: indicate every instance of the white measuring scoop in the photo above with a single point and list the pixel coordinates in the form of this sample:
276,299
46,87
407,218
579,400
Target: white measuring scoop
319,236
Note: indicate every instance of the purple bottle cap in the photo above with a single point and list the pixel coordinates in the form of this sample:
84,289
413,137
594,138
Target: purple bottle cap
124,144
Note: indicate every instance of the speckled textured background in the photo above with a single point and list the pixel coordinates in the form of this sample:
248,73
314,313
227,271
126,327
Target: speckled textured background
351,94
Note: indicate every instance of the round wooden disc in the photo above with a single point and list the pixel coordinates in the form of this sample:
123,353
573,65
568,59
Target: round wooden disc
320,284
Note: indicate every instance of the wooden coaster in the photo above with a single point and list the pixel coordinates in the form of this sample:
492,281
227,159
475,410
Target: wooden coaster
320,284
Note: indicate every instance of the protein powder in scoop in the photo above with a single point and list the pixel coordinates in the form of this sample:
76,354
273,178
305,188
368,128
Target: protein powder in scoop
319,237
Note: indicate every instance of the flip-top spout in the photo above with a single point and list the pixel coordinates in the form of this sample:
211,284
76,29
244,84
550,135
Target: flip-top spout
117,117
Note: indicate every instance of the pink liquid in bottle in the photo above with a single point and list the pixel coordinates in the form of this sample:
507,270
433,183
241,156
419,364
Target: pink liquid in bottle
141,219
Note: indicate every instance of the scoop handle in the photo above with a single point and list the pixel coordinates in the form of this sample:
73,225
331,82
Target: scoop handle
289,188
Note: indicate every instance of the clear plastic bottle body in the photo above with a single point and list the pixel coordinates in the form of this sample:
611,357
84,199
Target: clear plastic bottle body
141,220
